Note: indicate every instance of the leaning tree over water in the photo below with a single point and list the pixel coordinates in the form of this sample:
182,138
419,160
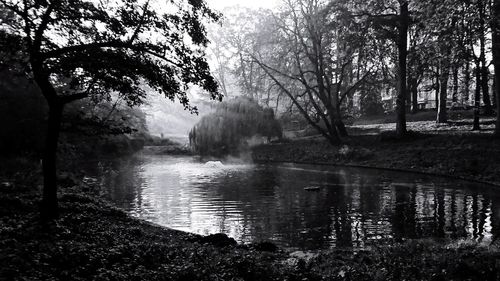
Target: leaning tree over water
76,49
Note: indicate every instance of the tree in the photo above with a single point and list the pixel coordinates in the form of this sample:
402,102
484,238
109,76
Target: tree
392,19
79,49
495,35
440,20
241,29
315,54
227,130
417,63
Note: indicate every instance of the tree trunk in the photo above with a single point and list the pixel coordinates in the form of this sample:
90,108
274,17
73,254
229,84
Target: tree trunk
49,205
467,78
401,83
339,124
488,109
443,80
333,133
495,36
477,97
437,88
482,56
413,87
408,100
455,84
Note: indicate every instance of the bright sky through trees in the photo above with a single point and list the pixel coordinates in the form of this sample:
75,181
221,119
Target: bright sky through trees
220,4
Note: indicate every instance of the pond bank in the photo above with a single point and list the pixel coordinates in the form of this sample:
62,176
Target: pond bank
466,155
92,240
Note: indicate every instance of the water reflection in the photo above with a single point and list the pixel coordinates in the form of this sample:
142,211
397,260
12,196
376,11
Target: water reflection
353,207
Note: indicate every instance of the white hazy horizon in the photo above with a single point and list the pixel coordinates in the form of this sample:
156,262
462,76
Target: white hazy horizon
221,4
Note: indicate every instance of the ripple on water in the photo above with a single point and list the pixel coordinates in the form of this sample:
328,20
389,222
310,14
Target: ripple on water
353,207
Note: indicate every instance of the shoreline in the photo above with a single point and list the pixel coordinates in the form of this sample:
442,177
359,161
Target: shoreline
493,184
460,156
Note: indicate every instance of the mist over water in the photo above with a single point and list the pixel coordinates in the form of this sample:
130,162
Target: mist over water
170,119
352,207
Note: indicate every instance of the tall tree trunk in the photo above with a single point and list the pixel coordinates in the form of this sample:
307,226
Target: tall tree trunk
413,87
455,83
49,205
437,88
402,44
495,36
467,78
488,109
443,80
484,67
477,97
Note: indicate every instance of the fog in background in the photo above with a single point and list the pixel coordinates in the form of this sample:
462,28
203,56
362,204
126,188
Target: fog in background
169,119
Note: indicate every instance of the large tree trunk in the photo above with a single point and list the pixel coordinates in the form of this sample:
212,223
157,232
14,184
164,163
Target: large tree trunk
495,35
477,97
402,44
488,109
339,124
333,133
49,206
443,80
484,67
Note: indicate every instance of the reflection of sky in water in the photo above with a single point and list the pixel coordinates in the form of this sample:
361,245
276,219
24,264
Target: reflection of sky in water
353,207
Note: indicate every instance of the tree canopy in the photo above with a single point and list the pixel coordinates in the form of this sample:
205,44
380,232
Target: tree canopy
233,123
76,49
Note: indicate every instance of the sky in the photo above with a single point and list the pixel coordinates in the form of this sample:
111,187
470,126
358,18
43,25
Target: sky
220,4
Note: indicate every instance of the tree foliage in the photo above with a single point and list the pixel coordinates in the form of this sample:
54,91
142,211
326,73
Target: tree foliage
75,49
234,122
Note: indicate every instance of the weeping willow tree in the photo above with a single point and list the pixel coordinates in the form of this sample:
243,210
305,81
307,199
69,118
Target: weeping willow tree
228,129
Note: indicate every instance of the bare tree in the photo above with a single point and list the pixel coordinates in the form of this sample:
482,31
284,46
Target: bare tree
310,55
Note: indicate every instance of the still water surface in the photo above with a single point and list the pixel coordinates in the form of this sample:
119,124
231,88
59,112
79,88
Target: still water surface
353,207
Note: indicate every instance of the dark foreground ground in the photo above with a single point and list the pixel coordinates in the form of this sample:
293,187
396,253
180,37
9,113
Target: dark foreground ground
92,240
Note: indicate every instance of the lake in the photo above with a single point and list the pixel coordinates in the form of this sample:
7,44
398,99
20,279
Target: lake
344,207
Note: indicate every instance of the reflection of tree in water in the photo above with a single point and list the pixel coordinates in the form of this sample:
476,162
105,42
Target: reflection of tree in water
123,183
254,190
439,213
349,210
270,203
495,219
403,216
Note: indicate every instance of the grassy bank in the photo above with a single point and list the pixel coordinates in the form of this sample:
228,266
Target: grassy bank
447,149
92,240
